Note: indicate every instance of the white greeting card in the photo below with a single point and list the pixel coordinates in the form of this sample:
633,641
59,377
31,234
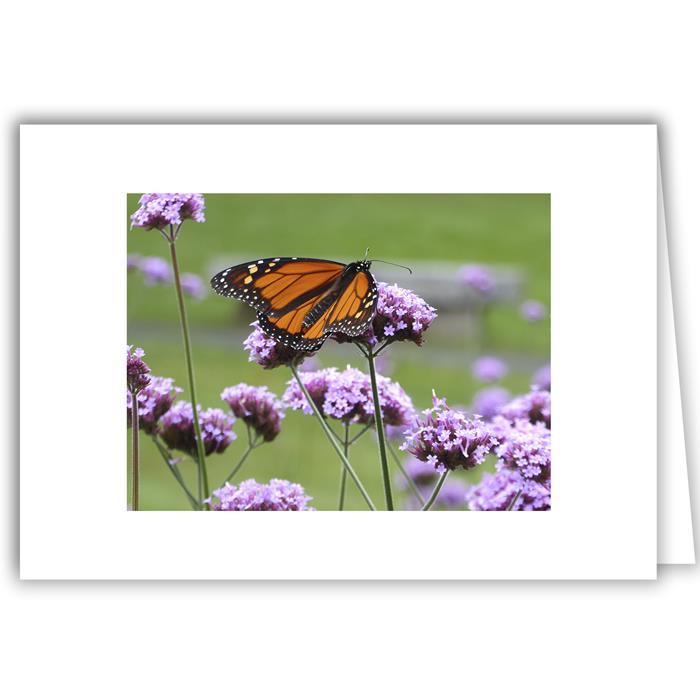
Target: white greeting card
601,186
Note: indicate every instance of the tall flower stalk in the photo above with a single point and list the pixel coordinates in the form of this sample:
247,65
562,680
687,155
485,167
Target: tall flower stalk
343,470
332,438
379,426
436,491
134,452
166,212
401,315
137,378
202,479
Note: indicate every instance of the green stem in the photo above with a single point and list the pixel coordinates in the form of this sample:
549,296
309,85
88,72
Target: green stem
381,347
233,473
515,500
167,458
379,425
343,471
436,490
411,483
202,480
332,439
134,451
359,435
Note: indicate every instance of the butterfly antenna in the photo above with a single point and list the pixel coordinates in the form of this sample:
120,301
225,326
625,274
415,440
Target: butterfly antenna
366,253
386,262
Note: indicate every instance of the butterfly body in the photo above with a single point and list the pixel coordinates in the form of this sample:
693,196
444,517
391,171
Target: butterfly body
301,301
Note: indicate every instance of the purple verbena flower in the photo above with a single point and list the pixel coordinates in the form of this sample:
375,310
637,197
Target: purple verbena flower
535,407
267,352
542,379
161,209
177,429
137,371
498,491
153,402
479,279
489,369
489,401
347,397
316,382
256,407
400,315
532,311
155,271
447,439
279,494
526,449
192,285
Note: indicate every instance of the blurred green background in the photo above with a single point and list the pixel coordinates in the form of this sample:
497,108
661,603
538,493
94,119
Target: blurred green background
510,232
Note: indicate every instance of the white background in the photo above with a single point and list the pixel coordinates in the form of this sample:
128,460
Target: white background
598,215
436,60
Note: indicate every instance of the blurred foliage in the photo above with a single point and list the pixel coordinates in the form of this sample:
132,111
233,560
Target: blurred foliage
511,230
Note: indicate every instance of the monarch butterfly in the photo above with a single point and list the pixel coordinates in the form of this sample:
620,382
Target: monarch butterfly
301,301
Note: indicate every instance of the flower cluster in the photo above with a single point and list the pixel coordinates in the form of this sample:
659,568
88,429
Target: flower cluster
256,407
250,495
316,382
161,209
489,369
534,407
532,311
267,352
153,402
488,402
498,491
400,315
526,449
447,439
524,462
177,429
479,279
137,371
347,397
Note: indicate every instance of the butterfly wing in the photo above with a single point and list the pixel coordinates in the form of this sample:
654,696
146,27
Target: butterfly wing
301,301
276,286
348,308
289,328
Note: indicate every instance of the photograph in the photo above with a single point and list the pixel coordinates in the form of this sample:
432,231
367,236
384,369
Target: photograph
338,352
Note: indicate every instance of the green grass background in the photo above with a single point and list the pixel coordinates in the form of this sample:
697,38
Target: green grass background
494,229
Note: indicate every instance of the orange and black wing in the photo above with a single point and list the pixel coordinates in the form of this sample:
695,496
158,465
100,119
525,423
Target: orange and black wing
354,309
276,286
348,308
